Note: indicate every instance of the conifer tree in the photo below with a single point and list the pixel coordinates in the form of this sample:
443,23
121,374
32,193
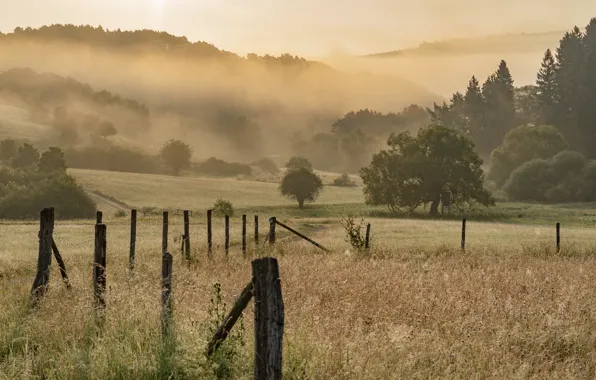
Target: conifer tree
474,109
547,94
587,106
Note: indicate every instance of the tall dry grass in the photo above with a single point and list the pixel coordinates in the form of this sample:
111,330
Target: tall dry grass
425,311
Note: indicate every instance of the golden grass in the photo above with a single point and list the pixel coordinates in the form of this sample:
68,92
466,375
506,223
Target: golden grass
161,191
415,307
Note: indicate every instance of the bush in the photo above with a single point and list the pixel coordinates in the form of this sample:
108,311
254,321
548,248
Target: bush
216,167
108,156
344,181
120,214
223,207
267,165
355,232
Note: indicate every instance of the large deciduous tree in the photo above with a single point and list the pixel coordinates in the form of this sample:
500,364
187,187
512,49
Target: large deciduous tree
302,185
176,155
414,171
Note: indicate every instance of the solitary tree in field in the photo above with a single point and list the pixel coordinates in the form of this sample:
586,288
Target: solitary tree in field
302,185
414,171
52,160
176,154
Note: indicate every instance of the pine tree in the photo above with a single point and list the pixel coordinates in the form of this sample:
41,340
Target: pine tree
547,89
499,116
587,106
474,109
570,62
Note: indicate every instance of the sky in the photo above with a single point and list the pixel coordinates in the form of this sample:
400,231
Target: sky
308,28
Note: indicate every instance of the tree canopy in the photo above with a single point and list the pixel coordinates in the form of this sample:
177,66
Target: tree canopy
302,185
176,155
415,170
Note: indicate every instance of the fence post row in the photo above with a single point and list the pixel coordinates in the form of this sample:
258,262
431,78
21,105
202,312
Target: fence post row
99,266
227,234
133,239
209,234
166,292
187,234
44,258
244,235
269,319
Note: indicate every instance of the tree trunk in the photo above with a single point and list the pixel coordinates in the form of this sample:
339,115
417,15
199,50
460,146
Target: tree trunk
434,207
301,203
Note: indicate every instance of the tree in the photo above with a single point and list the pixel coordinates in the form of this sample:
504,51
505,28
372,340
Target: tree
547,92
52,160
414,171
106,129
176,154
302,185
298,162
474,109
521,145
587,108
8,149
27,155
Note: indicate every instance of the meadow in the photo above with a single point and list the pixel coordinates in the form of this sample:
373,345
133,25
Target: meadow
413,307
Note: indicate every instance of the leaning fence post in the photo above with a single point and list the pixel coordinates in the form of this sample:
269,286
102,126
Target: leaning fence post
558,227
227,234
463,234
187,234
272,223
61,264
44,258
166,292
99,217
269,319
99,266
164,237
133,239
367,239
244,235
209,234
256,230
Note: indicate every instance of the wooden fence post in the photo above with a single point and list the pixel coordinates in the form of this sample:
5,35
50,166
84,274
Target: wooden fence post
256,230
463,234
99,266
187,234
209,234
367,238
99,217
164,237
227,234
166,293
133,239
269,319
61,264
272,223
244,235
44,258
558,227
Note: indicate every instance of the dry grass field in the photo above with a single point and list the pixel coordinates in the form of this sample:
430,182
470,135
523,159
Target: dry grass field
414,307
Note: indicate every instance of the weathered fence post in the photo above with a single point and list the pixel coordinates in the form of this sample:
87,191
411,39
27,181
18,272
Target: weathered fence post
558,227
244,235
367,238
269,319
166,292
133,239
209,234
99,217
164,237
272,223
44,258
61,264
463,234
227,234
256,230
99,266
187,234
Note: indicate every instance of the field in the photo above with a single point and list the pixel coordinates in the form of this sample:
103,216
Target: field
414,307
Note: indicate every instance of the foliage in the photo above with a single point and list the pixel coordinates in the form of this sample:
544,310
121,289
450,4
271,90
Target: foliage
106,129
355,231
298,162
52,160
27,155
344,180
302,185
523,144
216,167
8,149
24,192
415,170
176,154
566,177
223,207
267,165
104,155
120,214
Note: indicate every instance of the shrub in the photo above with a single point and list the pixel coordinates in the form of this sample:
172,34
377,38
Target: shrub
298,162
267,165
216,167
120,214
223,207
355,232
344,181
108,156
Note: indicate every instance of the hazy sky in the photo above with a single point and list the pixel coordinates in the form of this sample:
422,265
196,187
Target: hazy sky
307,27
